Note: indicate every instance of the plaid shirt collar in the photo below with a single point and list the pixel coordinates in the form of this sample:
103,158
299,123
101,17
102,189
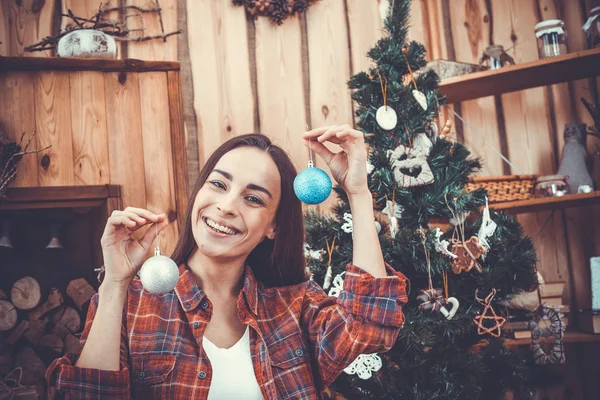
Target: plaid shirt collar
190,295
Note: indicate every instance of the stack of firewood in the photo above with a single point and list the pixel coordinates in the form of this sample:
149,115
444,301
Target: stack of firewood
33,331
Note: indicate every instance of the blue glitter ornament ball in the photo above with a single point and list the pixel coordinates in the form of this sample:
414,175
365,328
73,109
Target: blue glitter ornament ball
313,185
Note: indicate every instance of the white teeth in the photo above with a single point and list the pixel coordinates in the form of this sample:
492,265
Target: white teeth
218,227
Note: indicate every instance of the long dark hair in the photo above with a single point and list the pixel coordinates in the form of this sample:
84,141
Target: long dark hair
277,262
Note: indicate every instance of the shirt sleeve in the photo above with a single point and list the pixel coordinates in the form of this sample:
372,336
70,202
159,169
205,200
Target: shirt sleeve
365,318
66,381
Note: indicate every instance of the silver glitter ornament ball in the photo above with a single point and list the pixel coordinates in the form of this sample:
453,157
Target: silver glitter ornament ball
159,274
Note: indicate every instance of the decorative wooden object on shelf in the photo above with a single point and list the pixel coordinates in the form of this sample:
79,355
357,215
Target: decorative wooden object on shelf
25,293
504,188
572,66
8,315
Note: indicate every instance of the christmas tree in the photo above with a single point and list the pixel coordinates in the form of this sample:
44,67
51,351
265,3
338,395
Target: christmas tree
451,346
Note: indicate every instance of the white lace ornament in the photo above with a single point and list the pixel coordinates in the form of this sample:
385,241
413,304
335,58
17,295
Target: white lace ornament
370,167
347,227
487,229
313,254
441,246
365,364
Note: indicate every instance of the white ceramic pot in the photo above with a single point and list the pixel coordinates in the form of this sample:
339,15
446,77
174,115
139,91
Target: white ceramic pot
87,43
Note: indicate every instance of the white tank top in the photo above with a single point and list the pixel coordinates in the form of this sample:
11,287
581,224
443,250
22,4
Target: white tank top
233,375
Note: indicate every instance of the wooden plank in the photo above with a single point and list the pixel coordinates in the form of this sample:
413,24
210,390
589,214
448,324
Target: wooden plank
469,38
61,193
4,28
53,127
158,50
17,116
549,203
282,111
84,64
365,29
223,98
178,145
125,137
28,22
525,75
90,135
329,72
156,136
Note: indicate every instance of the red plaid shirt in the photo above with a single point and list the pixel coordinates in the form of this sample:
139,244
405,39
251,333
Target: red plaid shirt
300,338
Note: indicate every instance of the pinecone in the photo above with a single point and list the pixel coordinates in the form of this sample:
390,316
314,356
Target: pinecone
300,6
261,7
279,11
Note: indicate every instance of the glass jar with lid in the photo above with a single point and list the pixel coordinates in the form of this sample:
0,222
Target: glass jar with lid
592,28
552,38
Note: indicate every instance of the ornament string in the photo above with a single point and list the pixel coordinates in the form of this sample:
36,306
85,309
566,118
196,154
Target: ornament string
329,250
445,278
310,152
329,273
383,84
427,258
412,76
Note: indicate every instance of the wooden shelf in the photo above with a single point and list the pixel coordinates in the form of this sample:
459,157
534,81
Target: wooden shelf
570,337
60,197
548,71
548,203
84,64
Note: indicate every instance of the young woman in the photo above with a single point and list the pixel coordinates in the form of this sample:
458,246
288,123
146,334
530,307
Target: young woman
243,321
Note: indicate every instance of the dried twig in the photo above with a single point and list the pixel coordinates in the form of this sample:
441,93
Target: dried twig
114,28
10,168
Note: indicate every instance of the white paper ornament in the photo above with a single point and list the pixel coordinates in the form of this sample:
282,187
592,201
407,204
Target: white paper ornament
370,167
487,229
450,314
441,246
328,276
386,118
378,227
393,212
420,98
364,365
338,284
313,254
347,227
159,274
422,145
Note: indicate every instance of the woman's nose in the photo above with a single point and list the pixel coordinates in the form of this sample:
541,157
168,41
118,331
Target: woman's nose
227,206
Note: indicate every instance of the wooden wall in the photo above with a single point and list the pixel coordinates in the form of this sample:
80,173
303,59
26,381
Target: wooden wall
241,75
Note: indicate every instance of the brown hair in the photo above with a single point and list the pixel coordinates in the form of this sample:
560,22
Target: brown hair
277,262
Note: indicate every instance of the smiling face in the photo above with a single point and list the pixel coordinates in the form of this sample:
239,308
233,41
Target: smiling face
235,209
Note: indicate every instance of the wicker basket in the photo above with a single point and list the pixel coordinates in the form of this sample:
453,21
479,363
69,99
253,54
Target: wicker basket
505,188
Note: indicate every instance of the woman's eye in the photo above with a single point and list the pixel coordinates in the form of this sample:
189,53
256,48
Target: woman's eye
217,184
255,200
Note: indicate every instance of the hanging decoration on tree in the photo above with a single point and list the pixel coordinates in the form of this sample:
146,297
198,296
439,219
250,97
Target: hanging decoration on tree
277,10
488,315
329,272
419,96
370,167
312,185
487,229
441,246
467,254
446,129
432,299
312,254
422,145
467,251
347,226
365,364
393,212
159,274
556,329
410,166
386,117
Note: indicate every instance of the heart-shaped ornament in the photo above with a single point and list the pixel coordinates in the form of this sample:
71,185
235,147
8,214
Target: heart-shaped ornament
450,314
420,98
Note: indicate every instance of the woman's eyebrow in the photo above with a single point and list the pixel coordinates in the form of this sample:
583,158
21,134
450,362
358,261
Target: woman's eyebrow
251,186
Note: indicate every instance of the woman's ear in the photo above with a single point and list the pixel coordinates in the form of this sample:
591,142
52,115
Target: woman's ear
271,233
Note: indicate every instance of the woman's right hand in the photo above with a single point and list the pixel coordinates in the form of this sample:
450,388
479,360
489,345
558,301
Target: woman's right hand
123,254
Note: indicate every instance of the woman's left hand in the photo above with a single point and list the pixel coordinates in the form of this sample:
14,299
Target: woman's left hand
349,166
